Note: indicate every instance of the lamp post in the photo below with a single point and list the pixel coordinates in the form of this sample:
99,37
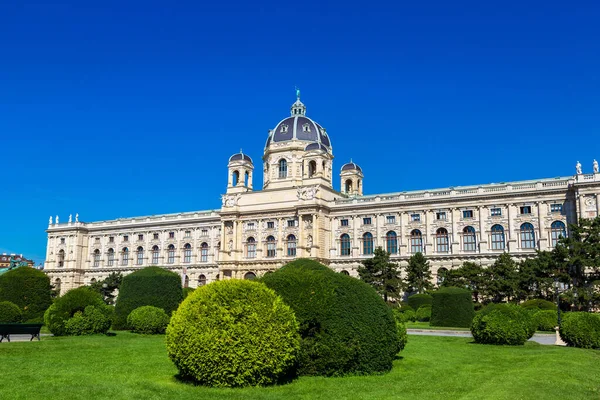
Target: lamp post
557,289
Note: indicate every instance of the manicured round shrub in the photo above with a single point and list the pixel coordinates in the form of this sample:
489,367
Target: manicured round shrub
402,336
539,304
93,320
346,327
545,320
66,306
423,313
234,333
502,324
148,320
404,316
581,329
151,286
29,289
10,312
416,301
452,307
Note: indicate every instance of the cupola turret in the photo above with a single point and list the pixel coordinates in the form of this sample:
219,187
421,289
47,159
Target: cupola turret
240,169
351,177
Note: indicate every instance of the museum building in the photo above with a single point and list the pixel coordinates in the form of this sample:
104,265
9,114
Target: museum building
297,213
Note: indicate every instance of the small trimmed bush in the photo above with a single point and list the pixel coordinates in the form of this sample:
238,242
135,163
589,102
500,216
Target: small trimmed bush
452,307
402,336
346,327
538,304
545,320
29,289
416,301
10,312
151,286
148,320
72,302
403,317
503,324
234,333
93,320
581,329
423,313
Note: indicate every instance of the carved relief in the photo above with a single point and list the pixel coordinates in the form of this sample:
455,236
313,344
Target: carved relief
230,200
307,192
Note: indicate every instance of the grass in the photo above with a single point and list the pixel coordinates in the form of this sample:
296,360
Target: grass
426,326
128,366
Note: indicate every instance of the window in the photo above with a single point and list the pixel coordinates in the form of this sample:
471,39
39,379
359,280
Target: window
171,235
97,240
348,186
441,275
367,221
415,217
467,213
312,168
61,258
187,253
345,245
469,239
367,240
305,127
155,236
557,230
525,210
284,128
391,242
155,252
62,240
441,241
126,238
140,237
440,216
140,256
556,208
96,258
344,272
251,248
270,225
204,232
390,219
344,222
496,212
251,226
291,246
291,223
250,276
204,252
188,234
125,259
111,257
111,239
271,247
497,237
170,254
282,169
416,241
527,236
201,280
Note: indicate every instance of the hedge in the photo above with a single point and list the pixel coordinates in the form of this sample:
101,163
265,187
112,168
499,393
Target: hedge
416,301
452,307
29,289
539,304
148,320
346,327
545,320
581,329
10,312
234,333
503,324
151,286
94,319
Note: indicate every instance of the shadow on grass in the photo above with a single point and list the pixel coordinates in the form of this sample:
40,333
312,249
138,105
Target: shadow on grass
187,380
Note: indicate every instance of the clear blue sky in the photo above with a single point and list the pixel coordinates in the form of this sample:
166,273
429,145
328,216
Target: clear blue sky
123,108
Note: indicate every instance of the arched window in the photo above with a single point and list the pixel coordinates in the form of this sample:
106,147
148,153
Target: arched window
186,281
557,230
187,253
367,240
155,253
469,239
92,281
282,168
416,241
125,256
250,276
271,247
345,245
527,236
348,186
441,275
61,258
204,252
251,248
235,178
57,285
201,280
344,272
170,254
391,242
312,168
441,241
140,256
498,242
111,257
96,258
291,246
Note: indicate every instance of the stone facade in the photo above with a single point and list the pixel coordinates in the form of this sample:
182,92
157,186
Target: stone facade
299,214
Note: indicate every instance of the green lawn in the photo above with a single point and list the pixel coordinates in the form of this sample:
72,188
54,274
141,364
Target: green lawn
128,366
425,325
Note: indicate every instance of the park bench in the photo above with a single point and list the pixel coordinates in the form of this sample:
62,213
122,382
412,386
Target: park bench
19,329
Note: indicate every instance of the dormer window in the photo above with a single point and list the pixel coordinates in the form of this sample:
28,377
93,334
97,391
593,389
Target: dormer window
284,128
305,128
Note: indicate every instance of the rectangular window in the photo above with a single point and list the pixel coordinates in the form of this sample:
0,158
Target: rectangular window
171,235
271,247
367,221
440,216
415,217
111,239
204,232
251,250
496,212
251,226
556,208
140,237
270,225
390,219
343,222
97,240
468,214
140,257
155,236
126,238
188,234
526,210
62,240
291,223
125,257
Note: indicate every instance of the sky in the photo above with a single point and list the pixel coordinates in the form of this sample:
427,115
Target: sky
128,108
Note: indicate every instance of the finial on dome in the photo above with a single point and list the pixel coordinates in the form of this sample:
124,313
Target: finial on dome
298,108
297,93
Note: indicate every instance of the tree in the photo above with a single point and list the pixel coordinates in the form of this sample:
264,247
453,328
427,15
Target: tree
382,274
108,286
535,277
502,279
418,274
470,276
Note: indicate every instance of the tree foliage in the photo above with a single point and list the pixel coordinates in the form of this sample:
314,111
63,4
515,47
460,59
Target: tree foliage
418,274
470,276
108,286
381,274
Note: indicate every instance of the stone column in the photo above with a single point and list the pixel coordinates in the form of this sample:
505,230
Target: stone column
454,214
428,242
543,235
355,242
483,240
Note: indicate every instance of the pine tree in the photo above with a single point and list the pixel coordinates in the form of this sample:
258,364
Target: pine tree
382,274
470,276
108,286
418,274
502,279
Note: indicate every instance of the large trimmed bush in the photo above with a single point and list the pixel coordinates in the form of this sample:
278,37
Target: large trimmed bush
538,304
346,327
452,307
581,329
29,289
234,333
10,312
76,301
416,301
94,319
545,320
503,324
148,320
151,286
